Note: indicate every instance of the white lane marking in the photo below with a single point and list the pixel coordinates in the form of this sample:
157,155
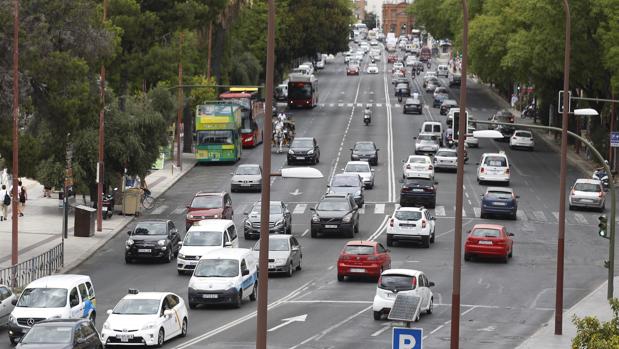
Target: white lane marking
352,112
556,215
340,104
360,105
477,211
305,232
299,209
313,301
379,230
379,208
330,268
467,311
397,105
349,104
539,215
521,216
385,328
379,104
331,328
463,212
439,211
242,319
391,187
436,329
159,210
362,209
178,210
580,218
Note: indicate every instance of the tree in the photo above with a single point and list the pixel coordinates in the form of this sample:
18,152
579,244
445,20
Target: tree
370,20
591,333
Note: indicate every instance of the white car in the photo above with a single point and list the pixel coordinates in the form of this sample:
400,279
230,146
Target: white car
588,193
522,139
246,177
205,236
397,66
393,281
426,143
446,159
442,70
493,167
6,304
363,169
148,318
285,254
418,166
411,224
372,68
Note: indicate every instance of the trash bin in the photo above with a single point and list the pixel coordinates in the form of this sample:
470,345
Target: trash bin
131,201
84,221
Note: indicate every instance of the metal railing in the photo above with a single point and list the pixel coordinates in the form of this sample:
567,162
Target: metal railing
45,264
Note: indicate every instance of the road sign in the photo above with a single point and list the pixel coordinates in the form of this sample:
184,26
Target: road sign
560,104
407,338
614,139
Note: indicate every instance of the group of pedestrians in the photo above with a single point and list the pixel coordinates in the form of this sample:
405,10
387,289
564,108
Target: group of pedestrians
6,196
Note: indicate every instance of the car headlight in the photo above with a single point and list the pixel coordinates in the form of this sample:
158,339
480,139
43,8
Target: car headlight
291,152
106,325
311,151
129,242
189,216
181,256
315,218
347,218
161,242
149,326
12,319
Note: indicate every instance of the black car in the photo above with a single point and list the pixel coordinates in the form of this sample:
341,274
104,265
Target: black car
446,105
455,80
335,213
155,238
62,334
280,220
304,149
418,192
365,151
402,90
413,105
348,183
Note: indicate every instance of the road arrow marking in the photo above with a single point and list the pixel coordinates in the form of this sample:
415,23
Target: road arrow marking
296,192
288,321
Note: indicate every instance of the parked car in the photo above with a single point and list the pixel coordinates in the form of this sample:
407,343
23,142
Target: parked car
280,220
305,150
363,169
285,254
153,239
246,177
363,258
62,334
335,213
587,193
365,151
348,183
205,205
411,224
411,281
499,201
489,240
418,192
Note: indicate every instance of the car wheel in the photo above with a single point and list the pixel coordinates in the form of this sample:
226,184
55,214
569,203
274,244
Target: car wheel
570,207
514,216
289,230
254,293
378,315
511,253
351,233
433,204
288,162
482,215
467,257
506,258
432,237
160,338
13,340
426,242
389,241
318,159
247,237
184,328
239,300
290,270
180,272
430,307
340,277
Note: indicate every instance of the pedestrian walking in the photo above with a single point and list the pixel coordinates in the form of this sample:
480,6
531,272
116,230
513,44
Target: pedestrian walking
47,191
514,100
6,202
23,196
4,178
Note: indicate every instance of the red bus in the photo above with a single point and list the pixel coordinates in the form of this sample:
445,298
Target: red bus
302,91
252,110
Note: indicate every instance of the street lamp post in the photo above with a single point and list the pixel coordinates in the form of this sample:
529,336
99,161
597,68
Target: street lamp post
100,164
14,226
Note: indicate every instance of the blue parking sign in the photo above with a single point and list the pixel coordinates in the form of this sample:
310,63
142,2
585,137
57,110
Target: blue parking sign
614,139
406,338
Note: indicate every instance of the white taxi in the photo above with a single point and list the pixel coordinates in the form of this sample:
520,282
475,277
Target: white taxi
418,166
411,224
145,319
493,167
411,281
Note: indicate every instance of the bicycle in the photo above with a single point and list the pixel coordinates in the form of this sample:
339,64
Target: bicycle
147,200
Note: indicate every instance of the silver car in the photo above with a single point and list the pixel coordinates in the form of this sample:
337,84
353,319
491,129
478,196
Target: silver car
446,159
285,254
426,144
246,177
362,168
280,220
6,304
587,193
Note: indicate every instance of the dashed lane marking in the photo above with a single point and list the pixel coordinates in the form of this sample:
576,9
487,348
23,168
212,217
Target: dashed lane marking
299,209
159,210
379,208
439,211
580,218
178,210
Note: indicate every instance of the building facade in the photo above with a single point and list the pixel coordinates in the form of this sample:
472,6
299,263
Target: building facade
395,18
359,9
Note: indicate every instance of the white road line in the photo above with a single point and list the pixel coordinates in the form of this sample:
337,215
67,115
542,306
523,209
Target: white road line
390,165
352,112
299,209
539,215
330,104
362,210
580,218
556,215
379,208
360,105
178,210
331,328
436,329
305,232
313,301
379,230
385,328
379,104
477,211
397,105
159,210
439,211
350,104
521,216
463,212
340,104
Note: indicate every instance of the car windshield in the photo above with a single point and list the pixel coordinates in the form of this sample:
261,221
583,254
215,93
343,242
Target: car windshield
417,160
247,170
499,195
275,245
217,268
359,249
357,168
203,238
215,137
274,208
206,201
48,335
587,187
407,215
302,143
486,232
418,181
43,298
333,205
447,153
364,146
129,306
397,282
154,228
496,161
345,181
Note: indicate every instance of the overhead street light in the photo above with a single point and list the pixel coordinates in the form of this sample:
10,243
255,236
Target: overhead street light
492,134
299,172
586,112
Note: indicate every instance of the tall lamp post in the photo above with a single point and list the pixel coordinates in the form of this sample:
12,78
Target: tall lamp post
100,164
14,226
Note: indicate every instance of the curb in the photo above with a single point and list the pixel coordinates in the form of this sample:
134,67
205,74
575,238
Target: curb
87,254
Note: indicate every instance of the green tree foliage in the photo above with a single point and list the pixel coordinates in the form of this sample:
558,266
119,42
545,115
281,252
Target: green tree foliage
370,20
593,334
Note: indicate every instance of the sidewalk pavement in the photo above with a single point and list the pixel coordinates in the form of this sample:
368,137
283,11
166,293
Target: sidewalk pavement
40,228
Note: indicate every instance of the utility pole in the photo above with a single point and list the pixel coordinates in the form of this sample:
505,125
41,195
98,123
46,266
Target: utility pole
100,164
179,113
210,39
15,202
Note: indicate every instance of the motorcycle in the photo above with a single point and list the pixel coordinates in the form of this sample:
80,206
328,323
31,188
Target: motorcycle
367,117
400,98
107,206
429,65
601,175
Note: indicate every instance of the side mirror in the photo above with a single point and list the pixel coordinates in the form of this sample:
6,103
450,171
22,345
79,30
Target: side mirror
477,163
431,284
109,312
468,232
129,232
414,137
312,209
245,272
435,182
351,149
403,161
246,213
377,149
227,244
517,196
14,301
168,312
510,234
401,181
482,195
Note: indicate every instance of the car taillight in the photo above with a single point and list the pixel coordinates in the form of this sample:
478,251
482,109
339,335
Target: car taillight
391,222
573,192
430,167
405,189
414,282
507,171
430,189
481,170
600,194
423,224
408,166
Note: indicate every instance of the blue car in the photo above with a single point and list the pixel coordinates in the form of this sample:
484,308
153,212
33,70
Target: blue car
499,201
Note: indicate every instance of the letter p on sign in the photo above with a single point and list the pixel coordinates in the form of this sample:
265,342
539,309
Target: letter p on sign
407,338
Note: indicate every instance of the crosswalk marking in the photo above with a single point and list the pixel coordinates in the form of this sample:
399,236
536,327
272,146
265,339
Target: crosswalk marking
477,211
299,209
539,215
379,104
580,218
556,215
397,105
439,211
379,208
362,210
368,104
340,104
350,104
463,211
178,210
359,105
521,216
159,210
331,104
321,104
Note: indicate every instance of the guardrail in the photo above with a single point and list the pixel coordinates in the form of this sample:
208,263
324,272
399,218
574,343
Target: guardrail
45,264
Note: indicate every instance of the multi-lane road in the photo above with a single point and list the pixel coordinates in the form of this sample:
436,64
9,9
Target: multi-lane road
502,304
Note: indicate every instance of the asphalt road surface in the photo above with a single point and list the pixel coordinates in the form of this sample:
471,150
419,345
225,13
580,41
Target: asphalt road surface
502,304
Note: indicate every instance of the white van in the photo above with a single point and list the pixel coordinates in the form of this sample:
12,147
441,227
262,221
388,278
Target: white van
433,128
225,276
442,70
57,296
203,237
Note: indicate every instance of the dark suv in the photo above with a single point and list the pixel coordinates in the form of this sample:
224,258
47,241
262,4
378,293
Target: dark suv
304,149
62,334
455,80
155,238
348,183
335,213
418,192
413,105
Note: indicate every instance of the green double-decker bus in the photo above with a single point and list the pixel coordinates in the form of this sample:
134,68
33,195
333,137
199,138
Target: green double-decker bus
218,132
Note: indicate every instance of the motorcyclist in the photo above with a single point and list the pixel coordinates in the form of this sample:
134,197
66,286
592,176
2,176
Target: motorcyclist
367,113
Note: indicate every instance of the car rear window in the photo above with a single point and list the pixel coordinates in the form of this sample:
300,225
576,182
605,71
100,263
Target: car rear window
447,154
345,181
499,195
398,282
496,161
486,232
248,170
359,249
357,168
408,215
206,201
523,134
588,187
417,160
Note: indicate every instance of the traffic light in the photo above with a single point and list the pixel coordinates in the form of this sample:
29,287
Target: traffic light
602,226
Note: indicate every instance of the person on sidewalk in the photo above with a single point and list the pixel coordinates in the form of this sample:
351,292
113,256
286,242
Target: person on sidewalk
6,202
514,100
23,196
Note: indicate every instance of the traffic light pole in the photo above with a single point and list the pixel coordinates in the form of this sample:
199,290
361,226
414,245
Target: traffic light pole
611,189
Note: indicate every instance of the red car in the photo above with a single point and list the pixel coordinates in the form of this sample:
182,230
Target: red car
209,206
367,258
392,58
352,70
489,240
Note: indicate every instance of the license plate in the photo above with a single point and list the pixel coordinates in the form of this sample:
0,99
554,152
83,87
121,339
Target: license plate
485,242
209,296
125,337
357,270
407,226
192,263
331,226
499,203
417,190
586,200
144,250
300,158
245,184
